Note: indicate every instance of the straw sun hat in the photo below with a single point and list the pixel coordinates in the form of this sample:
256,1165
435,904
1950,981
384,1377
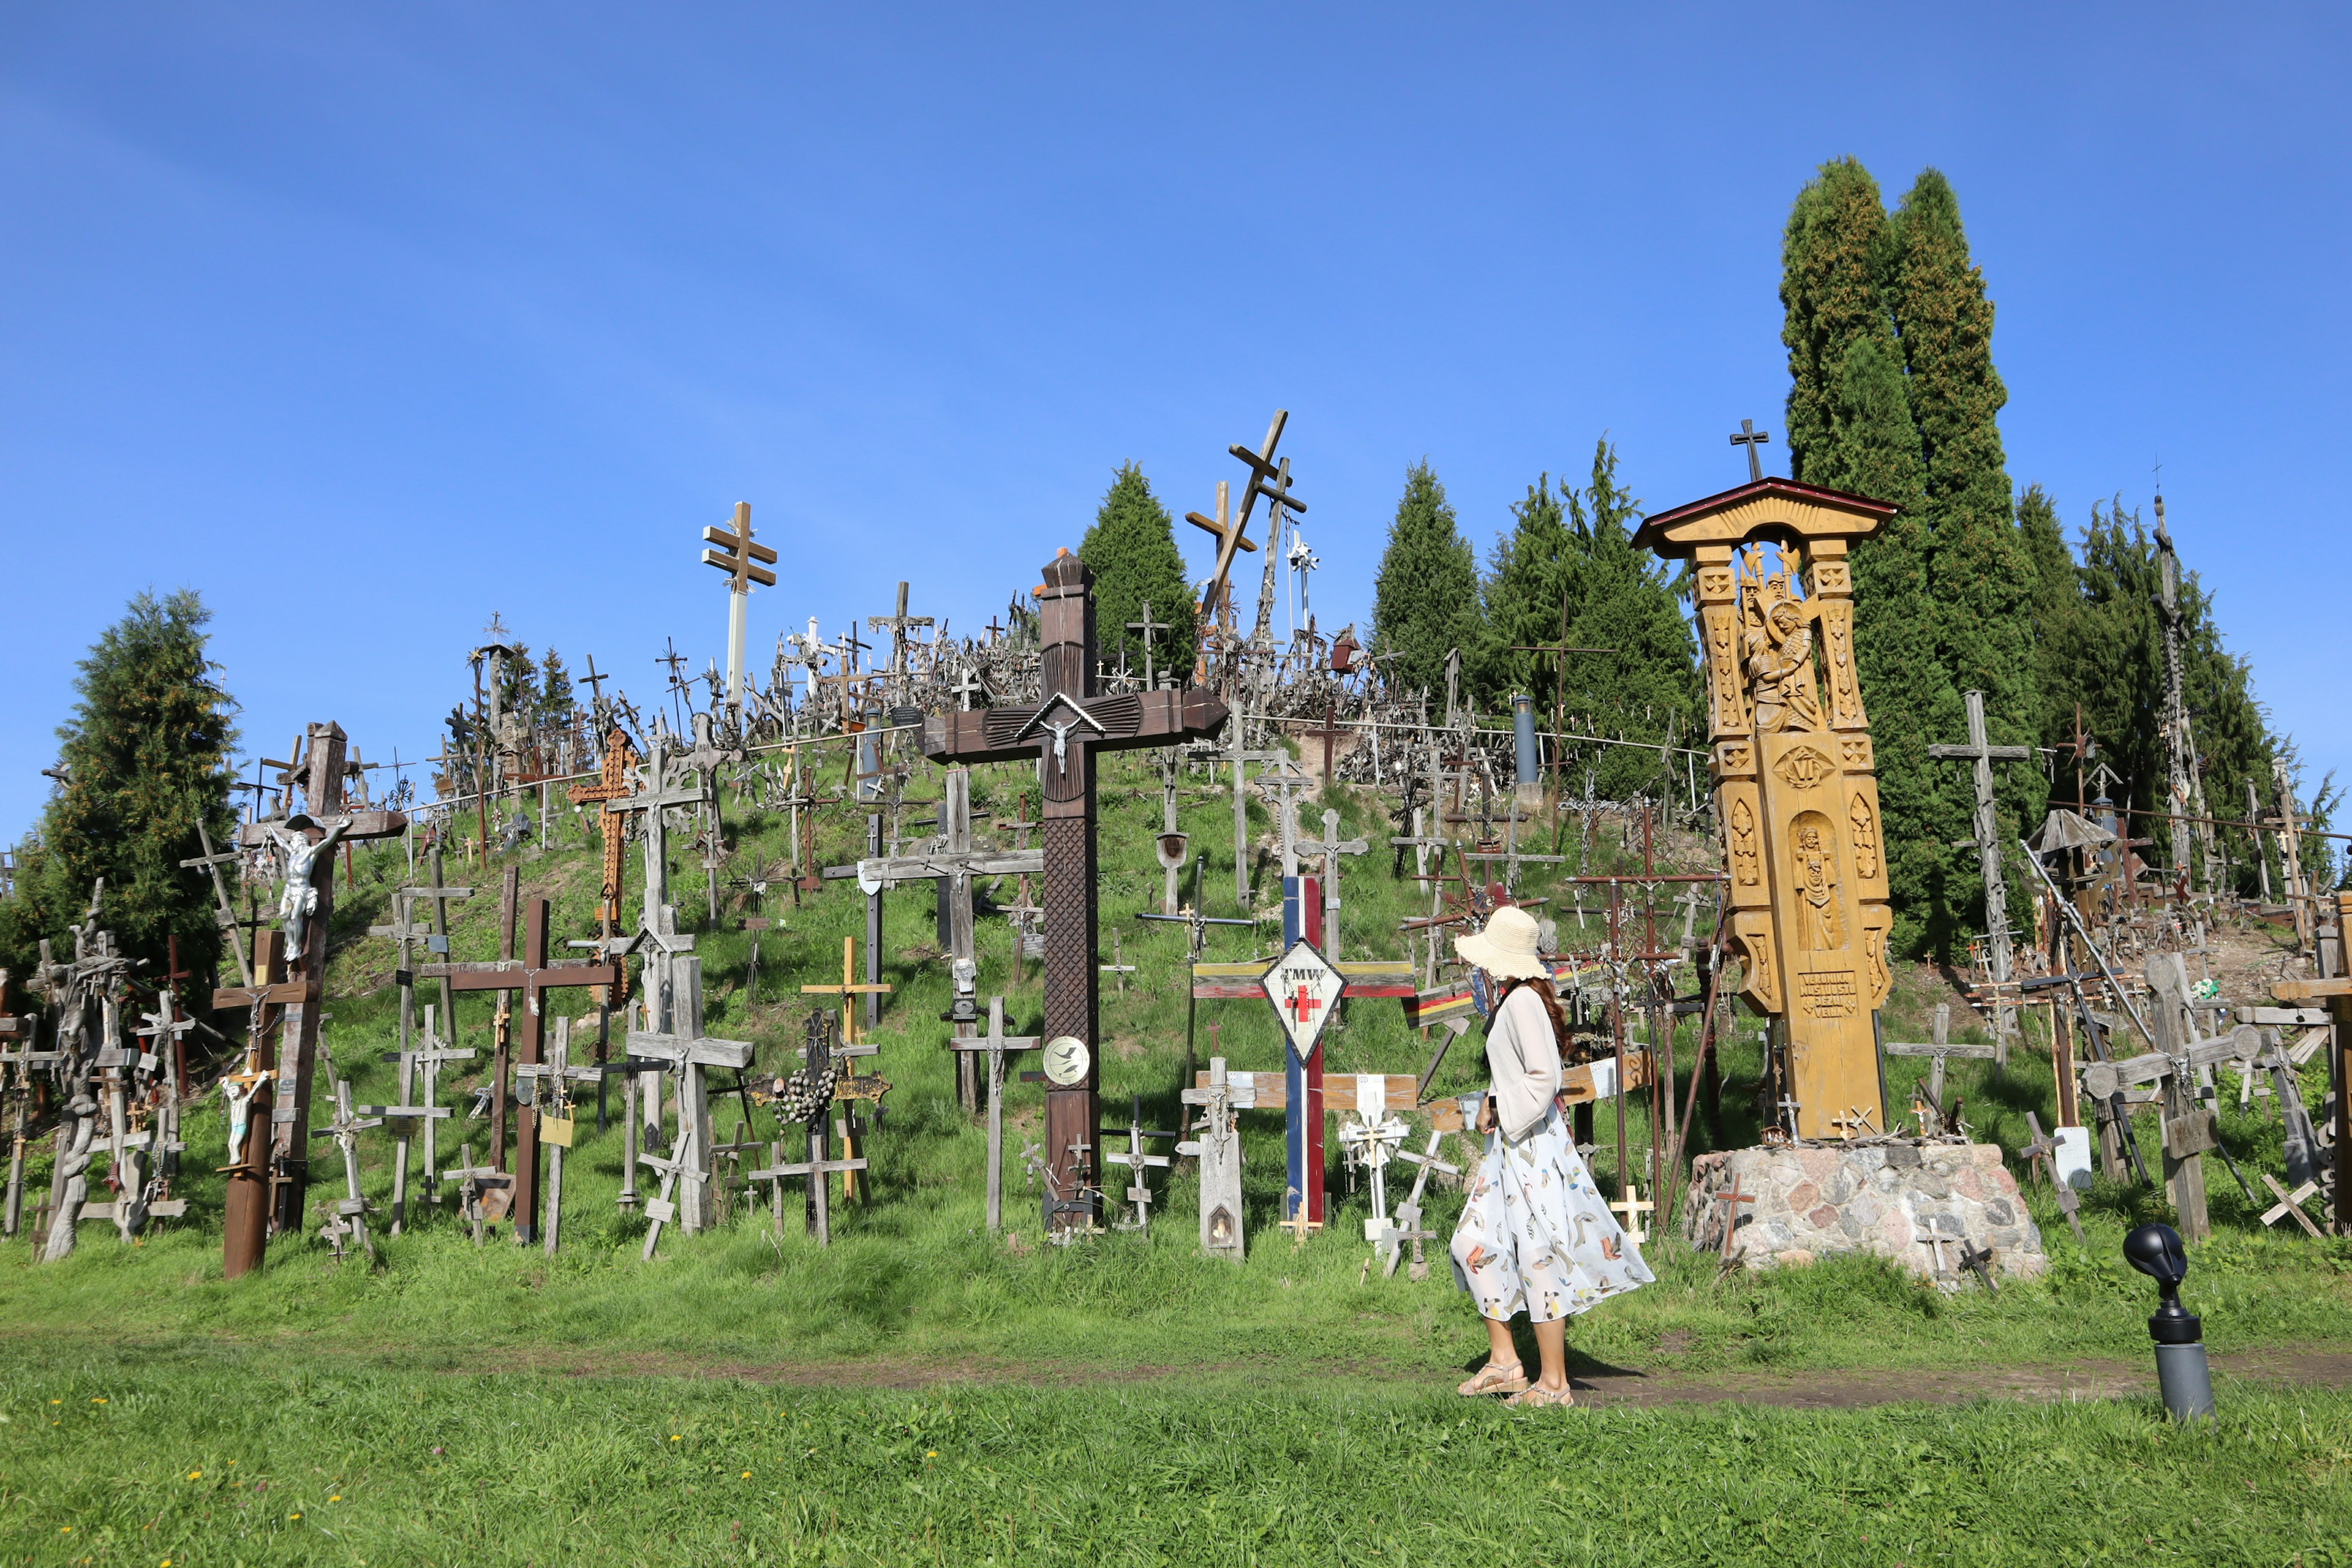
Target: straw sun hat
1507,948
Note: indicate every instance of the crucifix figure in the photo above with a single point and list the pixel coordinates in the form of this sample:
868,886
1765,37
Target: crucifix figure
1751,437
1064,731
1980,753
308,910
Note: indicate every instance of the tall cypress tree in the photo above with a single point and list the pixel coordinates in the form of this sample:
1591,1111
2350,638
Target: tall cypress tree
145,758
1850,428
1425,601
1131,549
2053,598
1980,577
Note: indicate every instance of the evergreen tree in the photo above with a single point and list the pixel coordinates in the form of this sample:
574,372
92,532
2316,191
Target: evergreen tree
2051,595
1525,587
1425,600
1131,549
1625,599
553,707
145,758
1850,428
1981,578
2107,652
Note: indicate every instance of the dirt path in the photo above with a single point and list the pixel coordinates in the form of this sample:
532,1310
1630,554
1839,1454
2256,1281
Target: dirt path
1600,1386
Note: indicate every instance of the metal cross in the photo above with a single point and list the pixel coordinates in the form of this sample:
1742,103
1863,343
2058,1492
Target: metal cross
1751,437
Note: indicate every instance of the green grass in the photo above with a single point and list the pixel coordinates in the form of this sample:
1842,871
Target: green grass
1122,1400
211,1457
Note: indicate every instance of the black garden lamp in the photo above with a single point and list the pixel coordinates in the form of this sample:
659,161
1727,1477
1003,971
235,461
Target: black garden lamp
2180,1370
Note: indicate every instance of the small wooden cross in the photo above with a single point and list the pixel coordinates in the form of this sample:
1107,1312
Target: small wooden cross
1855,1123
1117,964
1731,1201
2290,1203
1932,1236
848,990
1633,1206
1148,628
1138,1162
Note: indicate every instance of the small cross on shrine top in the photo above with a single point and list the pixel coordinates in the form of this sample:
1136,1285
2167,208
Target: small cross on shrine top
1751,437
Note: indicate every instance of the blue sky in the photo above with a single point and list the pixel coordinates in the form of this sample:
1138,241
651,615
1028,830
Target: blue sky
367,321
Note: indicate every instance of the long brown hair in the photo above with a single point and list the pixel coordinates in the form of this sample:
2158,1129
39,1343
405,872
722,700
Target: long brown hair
1541,985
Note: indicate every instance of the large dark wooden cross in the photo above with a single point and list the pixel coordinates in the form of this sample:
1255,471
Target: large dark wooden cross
1063,733
534,976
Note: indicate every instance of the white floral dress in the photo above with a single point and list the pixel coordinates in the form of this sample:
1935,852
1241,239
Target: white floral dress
1536,1235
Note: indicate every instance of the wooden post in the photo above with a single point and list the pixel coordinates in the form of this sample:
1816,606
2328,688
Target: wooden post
2340,1054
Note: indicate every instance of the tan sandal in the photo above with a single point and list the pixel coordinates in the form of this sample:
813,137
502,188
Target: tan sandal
1493,1379
1536,1396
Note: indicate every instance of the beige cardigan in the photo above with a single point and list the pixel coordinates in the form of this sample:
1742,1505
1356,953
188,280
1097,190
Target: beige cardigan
1524,1062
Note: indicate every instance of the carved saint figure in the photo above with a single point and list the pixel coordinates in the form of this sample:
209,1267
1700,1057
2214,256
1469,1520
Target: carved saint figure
1780,670
1817,887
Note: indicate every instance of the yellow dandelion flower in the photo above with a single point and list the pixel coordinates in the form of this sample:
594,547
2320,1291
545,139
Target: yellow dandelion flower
337,1498
98,1401
65,1530
673,1436
196,1474
293,1516
932,1455
747,1475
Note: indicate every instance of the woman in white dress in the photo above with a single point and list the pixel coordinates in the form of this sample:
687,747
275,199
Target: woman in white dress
1535,1236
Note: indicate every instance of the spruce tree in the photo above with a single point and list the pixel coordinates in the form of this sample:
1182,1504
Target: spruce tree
145,758
2052,596
1625,599
1425,600
1131,549
1525,584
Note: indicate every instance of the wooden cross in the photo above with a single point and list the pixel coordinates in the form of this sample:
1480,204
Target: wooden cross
533,976
351,1213
482,1191
738,555
1632,1207
1932,1236
1408,1225
552,1098
902,625
225,911
1138,1162
1117,964
1330,733
849,990
688,1055
426,1107
24,1058
1940,1048
1751,437
2291,1203
1217,1146
1241,757
2043,1152
1150,628
1731,1201
611,784
996,1045
1063,733
1216,596
310,909
1855,1123
1330,848
1981,754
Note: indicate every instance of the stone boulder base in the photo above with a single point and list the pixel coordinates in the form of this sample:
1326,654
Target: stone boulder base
1814,1200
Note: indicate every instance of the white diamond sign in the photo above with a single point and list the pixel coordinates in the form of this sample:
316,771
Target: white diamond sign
1304,988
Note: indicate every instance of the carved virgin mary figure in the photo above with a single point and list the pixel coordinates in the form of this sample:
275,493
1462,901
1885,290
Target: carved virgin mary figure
1817,887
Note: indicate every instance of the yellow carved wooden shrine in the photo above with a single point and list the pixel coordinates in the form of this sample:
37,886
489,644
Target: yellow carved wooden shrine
1796,789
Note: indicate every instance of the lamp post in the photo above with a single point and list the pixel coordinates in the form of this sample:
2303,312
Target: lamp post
2180,1370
